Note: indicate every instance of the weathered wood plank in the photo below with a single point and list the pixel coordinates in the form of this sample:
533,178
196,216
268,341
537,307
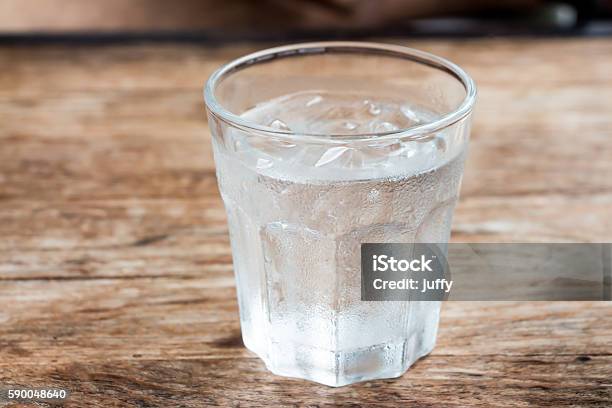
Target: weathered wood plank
501,381
170,317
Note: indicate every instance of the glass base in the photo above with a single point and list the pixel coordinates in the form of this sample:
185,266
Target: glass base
338,368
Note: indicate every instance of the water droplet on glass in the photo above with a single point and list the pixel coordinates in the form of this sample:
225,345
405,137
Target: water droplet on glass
440,143
279,124
396,149
373,195
314,100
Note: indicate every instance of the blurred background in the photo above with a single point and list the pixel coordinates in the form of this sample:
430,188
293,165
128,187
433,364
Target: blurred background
299,19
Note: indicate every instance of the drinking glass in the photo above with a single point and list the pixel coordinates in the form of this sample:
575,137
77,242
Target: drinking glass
319,148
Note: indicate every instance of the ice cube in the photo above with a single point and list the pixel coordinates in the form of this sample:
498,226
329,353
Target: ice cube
373,108
314,100
409,113
384,127
279,124
264,163
331,155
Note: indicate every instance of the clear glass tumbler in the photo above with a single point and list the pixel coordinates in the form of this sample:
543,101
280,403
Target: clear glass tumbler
321,147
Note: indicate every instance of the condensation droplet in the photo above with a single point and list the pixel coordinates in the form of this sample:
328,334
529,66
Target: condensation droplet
373,195
440,143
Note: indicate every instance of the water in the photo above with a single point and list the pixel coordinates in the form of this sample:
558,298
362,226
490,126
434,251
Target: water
298,213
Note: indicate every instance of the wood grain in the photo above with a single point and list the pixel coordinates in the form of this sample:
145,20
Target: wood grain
115,268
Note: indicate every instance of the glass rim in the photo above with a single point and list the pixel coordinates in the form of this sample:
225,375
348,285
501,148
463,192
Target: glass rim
313,48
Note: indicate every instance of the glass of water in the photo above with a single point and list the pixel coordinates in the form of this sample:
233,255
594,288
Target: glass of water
321,147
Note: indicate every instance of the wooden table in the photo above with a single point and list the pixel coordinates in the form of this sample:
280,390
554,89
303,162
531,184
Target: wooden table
115,269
